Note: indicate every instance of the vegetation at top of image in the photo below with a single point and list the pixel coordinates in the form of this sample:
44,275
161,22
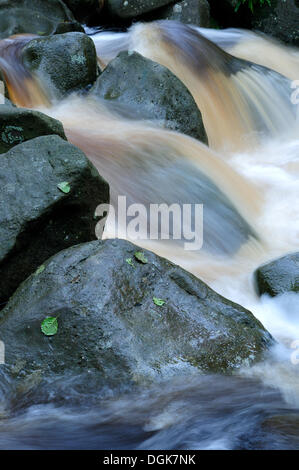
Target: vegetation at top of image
252,3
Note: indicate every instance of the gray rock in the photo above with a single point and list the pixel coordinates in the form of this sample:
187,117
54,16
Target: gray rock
40,17
195,12
152,91
69,27
110,331
278,276
133,8
18,125
36,218
64,63
280,20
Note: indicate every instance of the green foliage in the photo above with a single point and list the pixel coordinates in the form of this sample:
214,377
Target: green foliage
140,257
40,270
130,262
49,326
64,187
159,302
252,3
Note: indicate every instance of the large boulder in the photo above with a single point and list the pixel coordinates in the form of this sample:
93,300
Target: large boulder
18,125
64,63
280,19
152,92
37,219
40,17
133,8
195,12
278,276
113,327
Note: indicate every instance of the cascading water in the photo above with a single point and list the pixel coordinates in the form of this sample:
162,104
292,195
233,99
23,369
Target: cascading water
247,180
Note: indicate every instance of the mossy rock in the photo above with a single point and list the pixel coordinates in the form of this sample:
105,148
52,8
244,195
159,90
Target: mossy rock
151,91
132,8
17,125
64,63
37,219
111,332
42,17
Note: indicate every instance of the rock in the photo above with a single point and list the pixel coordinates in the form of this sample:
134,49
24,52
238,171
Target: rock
279,276
18,125
85,10
64,63
36,218
152,91
111,332
68,27
195,12
133,8
42,17
280,19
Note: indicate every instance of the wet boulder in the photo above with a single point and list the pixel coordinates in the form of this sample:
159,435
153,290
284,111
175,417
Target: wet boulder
196,12
18,125
133,8
123,319
64,63
278,18
42,17
278,276
49,192
150,91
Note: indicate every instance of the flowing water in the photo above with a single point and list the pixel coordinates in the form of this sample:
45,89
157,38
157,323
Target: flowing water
247,180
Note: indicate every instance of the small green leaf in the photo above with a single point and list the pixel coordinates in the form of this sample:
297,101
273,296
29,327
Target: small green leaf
49,326
158,302
40,270
64,187
130,262
140,257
